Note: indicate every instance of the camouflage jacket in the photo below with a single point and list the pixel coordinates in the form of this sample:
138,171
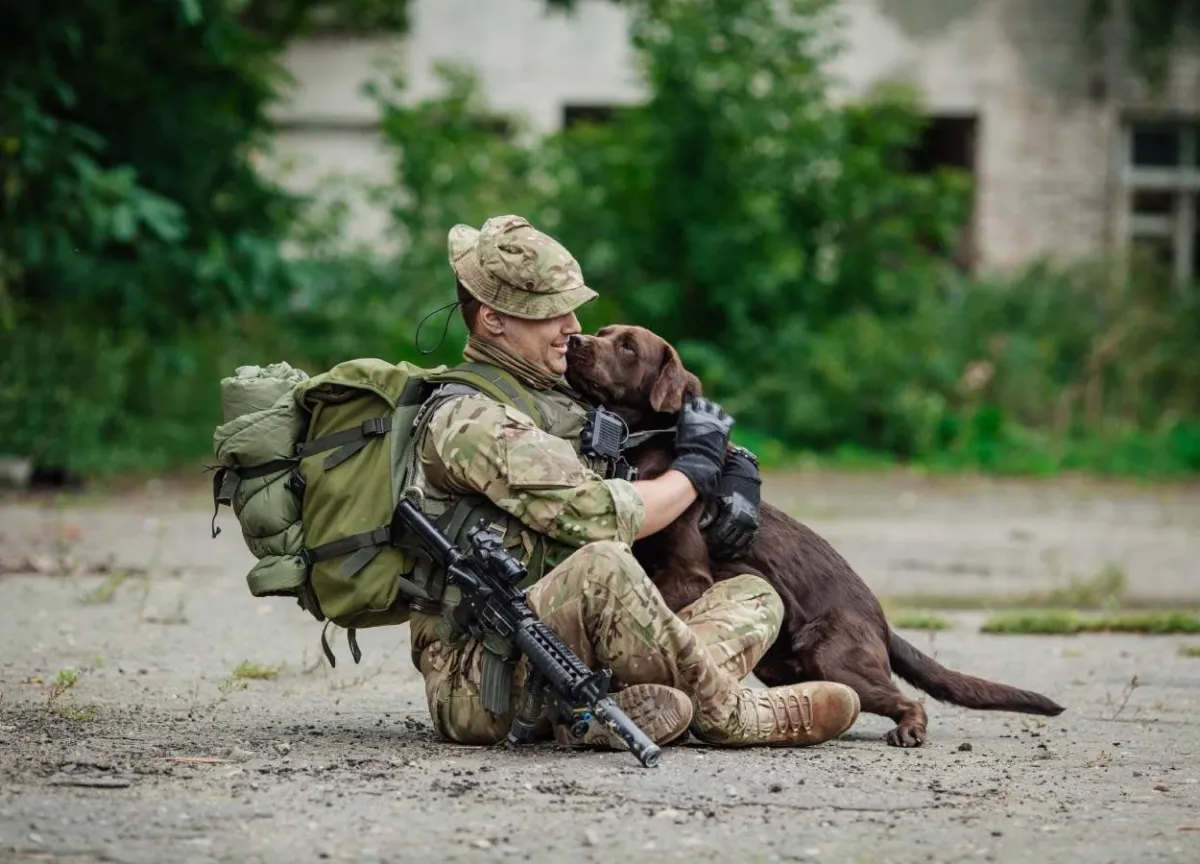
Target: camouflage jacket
474,445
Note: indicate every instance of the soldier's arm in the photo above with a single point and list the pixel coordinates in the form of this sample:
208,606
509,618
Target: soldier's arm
475,444
665,498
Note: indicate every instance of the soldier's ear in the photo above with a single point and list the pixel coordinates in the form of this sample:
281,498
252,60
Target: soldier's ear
492,320
674,384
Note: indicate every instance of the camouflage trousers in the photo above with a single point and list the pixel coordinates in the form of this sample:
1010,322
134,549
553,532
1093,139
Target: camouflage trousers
604,607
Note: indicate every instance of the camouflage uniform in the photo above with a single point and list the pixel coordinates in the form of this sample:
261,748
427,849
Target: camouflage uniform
598,599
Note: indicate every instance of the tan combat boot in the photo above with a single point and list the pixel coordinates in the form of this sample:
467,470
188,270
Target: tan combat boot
662,712
795,715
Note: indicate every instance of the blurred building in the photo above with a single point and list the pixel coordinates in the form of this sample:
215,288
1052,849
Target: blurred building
1070,154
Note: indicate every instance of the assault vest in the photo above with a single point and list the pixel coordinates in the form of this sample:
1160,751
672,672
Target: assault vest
557,412
313,468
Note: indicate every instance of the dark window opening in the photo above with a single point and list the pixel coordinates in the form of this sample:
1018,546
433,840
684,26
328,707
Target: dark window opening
598,114
945,142
949,142
1152,202
1155,146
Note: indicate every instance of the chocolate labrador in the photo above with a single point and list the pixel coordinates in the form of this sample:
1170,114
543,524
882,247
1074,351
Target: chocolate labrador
834,628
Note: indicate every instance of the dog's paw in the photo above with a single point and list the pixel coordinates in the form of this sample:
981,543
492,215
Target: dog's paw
906,736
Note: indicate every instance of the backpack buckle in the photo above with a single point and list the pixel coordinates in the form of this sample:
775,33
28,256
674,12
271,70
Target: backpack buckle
296,485
376,426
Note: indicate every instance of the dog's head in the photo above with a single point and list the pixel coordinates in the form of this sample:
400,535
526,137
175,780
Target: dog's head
630,370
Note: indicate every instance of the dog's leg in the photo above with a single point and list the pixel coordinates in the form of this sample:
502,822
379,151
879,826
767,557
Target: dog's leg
852,654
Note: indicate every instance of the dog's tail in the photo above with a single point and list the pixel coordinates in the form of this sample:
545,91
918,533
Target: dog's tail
946,685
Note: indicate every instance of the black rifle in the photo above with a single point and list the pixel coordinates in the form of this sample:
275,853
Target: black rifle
491,603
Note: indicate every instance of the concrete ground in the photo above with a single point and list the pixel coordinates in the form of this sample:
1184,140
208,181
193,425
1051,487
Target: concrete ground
158,753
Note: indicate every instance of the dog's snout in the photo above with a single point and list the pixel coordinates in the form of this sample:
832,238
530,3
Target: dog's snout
575,341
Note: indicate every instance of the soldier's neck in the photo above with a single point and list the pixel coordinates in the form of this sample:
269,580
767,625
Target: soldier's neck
482,350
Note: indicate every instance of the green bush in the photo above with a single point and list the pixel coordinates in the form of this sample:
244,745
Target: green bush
137,236
803,271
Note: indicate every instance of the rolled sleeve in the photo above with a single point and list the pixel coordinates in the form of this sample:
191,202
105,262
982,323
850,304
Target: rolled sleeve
475,444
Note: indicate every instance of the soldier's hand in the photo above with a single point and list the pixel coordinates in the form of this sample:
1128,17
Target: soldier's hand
701,437
739,496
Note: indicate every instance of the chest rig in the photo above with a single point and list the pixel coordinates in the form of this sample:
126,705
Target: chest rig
558,412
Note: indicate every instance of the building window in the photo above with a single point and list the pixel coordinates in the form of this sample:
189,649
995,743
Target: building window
598,114
1161,188
948,141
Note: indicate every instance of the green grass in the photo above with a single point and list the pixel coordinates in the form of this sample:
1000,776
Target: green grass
1143,456
1189,650
106,590
914,620
246,669
1069,622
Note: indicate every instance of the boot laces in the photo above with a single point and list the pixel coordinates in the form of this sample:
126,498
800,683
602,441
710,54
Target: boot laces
792,710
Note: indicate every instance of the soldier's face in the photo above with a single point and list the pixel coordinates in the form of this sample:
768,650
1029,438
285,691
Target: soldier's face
543,343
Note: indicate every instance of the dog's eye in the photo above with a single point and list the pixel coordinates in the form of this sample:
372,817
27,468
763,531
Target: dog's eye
626,347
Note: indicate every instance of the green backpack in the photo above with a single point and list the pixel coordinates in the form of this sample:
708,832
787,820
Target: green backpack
313,468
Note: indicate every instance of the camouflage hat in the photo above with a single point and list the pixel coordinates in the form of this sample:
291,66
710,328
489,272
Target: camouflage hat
514,268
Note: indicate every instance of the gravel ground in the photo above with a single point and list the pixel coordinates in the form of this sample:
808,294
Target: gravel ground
158,753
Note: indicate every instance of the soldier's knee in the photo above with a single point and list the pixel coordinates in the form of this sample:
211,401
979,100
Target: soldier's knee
610,564
753,589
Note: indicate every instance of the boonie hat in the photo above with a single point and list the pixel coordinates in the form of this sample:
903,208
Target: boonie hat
514,268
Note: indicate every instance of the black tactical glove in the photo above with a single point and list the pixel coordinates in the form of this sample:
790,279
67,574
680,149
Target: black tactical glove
701,436
735,524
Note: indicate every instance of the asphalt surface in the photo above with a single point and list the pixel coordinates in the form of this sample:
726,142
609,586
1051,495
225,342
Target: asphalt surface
158,753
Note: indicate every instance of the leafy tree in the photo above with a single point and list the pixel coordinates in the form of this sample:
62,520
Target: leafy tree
777,239
782,243
133,216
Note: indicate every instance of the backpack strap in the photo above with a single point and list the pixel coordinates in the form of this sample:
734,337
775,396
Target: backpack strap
498,383
349,440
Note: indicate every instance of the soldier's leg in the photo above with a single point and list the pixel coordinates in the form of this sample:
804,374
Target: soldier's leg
452,690
737,619
453,676
605,607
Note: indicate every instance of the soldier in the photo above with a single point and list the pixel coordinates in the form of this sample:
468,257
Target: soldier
573,528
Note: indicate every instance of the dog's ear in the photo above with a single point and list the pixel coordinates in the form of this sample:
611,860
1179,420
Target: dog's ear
674,385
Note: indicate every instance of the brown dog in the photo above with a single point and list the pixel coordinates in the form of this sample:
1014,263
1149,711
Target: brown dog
834,628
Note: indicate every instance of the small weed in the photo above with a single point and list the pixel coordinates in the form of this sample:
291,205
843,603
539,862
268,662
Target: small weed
246,669
229,685
1189,650
64,680
1058,622
1125,694
106,590
912,620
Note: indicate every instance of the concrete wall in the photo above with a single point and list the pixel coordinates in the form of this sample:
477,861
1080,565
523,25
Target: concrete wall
1049,136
